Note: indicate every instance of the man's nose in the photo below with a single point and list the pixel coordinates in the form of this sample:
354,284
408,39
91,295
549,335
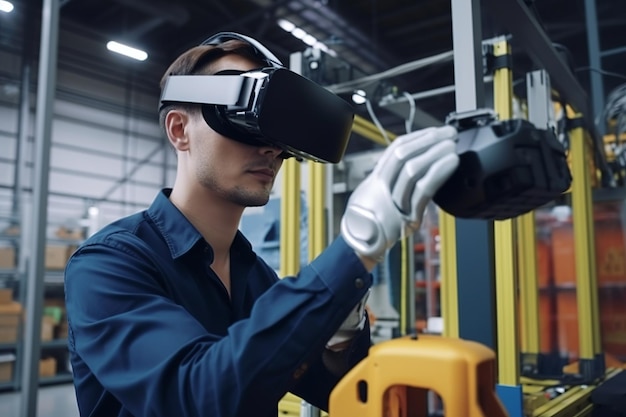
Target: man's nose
273,150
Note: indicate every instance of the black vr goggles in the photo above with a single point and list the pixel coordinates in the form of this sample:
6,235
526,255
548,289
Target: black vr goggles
268,106
506,168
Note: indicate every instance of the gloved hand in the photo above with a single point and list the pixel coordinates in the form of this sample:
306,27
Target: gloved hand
394,196
354,323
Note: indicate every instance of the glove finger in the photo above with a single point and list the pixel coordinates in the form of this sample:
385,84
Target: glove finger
406,147
428,185
440,170
414,170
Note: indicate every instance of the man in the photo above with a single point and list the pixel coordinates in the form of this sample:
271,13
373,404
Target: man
172,314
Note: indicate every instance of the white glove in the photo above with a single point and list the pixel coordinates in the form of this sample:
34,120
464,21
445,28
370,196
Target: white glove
354,323
394,196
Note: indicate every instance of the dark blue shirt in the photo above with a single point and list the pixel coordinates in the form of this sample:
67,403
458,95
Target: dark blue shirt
153,332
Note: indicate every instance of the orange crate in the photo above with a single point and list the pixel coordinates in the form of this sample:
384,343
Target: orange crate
610,253
544,263
613,320
610,250
567,324
562,249
612,310
547,322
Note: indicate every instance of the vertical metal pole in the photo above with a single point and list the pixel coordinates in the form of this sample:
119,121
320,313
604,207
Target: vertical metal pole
20,165
506,256
317,207
505,232
541,114
407,279
43,128
467,44
474,238
595,62
290,205
290,218
591,362
22,140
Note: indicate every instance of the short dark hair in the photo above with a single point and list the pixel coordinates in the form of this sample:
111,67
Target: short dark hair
198,60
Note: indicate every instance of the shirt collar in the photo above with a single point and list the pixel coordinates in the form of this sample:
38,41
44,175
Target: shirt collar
181,236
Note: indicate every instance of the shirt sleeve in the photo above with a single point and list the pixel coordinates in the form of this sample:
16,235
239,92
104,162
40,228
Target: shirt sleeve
156,359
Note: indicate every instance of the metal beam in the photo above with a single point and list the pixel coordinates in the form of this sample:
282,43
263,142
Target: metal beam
595,61
515,16
43,132
474,243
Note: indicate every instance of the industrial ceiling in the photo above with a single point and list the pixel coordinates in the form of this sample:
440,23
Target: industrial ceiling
369,35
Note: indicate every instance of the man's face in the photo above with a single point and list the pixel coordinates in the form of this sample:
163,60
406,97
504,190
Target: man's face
231,170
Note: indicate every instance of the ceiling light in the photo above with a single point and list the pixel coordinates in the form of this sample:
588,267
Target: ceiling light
305,37
299,33
6,6
126,50
309,40
286,25
359,97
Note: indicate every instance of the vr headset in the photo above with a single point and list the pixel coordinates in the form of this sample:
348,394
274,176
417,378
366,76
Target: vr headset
507,168
268,106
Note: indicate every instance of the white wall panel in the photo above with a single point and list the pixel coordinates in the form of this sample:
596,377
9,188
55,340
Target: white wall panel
81,186
149,173
89,137
135,194
7,177
88,163
8,145
8,118
107,148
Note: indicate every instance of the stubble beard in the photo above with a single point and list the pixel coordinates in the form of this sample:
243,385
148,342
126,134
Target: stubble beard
247,198
240,196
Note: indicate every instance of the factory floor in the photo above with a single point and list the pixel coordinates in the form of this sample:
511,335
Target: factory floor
52,401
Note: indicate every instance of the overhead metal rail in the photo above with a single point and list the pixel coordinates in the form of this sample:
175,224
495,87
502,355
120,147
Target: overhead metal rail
515,16
392,72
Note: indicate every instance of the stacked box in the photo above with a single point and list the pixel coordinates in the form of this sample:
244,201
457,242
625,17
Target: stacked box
7,363
47,328
10,320
6,295
7,257
56,256
47,367
70,233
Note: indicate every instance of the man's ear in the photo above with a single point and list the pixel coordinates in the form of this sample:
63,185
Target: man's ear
175,123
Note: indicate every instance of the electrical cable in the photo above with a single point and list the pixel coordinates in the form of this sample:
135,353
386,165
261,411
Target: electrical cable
392,72
408,124
603,72
370,110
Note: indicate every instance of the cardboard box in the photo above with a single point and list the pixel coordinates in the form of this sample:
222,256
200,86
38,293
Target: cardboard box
7,257
70,233
7,362
47,367
56,256
62,330
11,231
10,320
6,295
47,328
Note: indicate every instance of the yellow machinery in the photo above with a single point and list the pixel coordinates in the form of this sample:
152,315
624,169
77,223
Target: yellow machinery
468,376
397,375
